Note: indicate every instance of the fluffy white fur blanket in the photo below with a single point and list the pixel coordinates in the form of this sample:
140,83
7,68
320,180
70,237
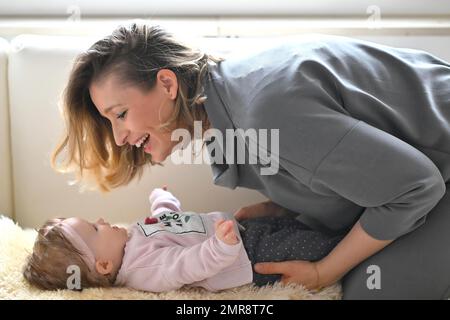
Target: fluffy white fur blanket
16,243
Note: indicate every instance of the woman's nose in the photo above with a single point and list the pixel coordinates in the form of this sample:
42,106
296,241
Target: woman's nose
101,221
120,137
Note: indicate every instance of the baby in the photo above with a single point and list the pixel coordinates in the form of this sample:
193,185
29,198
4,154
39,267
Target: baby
170,249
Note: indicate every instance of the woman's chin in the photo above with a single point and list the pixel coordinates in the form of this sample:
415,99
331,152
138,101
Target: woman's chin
157,157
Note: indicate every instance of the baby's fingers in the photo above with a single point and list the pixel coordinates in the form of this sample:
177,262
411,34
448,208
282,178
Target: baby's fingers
218,223
223,227
227,226
231,237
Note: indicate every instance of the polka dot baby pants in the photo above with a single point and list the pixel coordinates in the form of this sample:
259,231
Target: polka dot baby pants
275,239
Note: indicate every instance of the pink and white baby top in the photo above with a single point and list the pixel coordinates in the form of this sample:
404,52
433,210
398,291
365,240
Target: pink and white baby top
175,248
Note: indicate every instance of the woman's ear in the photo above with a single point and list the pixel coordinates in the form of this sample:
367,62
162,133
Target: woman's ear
104,267
169,82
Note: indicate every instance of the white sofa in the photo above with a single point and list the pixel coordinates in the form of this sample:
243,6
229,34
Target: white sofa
6,199
33,72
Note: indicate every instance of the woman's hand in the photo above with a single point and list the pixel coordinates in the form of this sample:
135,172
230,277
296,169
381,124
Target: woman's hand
354,248
225,231
266,208
301,272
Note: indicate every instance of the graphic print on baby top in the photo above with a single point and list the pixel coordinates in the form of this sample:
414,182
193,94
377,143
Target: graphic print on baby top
174,222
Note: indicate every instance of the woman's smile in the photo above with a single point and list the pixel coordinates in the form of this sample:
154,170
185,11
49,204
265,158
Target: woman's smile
147,146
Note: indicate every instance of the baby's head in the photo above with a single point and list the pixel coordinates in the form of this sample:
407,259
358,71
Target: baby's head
95,248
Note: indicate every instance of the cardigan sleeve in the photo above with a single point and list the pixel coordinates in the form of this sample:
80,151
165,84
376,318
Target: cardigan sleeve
396,183
335,154
333,113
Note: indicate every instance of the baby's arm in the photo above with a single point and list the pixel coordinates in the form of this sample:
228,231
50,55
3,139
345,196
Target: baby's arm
174,266
162,200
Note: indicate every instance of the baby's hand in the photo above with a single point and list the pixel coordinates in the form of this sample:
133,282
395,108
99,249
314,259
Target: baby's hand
225,231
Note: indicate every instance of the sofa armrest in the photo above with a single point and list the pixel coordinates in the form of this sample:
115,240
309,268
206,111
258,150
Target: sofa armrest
6,194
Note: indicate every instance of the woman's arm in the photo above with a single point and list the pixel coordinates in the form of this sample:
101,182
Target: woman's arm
265,208
354,248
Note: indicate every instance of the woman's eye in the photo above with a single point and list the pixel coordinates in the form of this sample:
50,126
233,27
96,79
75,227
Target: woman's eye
122,115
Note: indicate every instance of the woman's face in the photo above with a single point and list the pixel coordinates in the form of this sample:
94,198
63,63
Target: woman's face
134,113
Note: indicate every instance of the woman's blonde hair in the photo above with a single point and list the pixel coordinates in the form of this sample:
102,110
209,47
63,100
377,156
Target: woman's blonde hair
134,53
47,266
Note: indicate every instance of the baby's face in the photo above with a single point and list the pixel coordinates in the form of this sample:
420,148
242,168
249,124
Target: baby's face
106,242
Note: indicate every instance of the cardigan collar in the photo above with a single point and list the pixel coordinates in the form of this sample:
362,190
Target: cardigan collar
225,174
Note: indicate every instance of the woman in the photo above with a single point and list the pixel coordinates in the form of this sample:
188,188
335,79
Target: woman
363,146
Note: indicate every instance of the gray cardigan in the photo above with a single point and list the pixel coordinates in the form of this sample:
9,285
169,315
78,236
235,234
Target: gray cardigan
363,129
